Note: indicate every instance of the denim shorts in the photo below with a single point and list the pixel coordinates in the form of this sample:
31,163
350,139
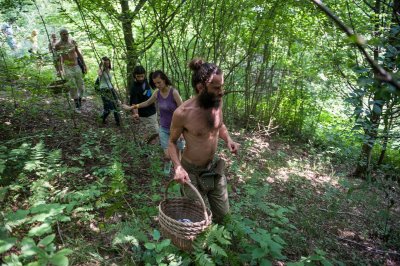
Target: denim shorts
164,138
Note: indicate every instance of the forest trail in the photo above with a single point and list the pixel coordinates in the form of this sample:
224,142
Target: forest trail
291,174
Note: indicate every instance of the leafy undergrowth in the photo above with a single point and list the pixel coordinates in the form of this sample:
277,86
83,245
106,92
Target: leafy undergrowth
75,192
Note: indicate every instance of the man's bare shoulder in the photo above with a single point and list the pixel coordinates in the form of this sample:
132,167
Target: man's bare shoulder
187,105
57,45
184,109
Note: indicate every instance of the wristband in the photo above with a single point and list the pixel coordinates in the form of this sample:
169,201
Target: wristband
137,106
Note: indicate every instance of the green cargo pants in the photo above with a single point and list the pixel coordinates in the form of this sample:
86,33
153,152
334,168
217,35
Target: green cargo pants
211,183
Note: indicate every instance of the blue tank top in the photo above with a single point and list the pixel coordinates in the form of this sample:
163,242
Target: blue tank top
166,107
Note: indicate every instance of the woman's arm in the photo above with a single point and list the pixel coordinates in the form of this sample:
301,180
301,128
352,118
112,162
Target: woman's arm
151,100
100,71
177,97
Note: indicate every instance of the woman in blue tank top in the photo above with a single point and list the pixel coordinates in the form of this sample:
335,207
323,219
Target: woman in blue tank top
168,99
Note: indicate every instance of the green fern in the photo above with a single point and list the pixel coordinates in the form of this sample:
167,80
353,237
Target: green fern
210,247
204,259
36,161
118,182
217,250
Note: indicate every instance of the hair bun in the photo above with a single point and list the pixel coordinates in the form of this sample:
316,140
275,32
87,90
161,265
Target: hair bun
196,63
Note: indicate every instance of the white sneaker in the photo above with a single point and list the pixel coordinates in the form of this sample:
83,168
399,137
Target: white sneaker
77,110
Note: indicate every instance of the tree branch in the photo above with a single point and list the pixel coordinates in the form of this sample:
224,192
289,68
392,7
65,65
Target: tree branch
382,74
370,249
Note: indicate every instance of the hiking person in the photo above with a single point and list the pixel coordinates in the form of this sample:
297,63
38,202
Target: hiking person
67,65
33,42
52,43
146,117
107,91
168,99
200,121
7,30
52,48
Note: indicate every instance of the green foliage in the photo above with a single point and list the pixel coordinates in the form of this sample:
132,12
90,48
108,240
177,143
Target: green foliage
315,259
211,247
29,231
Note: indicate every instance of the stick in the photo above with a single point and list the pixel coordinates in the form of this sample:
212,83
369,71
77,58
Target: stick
370,249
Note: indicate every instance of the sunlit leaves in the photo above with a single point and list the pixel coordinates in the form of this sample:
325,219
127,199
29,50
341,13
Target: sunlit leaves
6,244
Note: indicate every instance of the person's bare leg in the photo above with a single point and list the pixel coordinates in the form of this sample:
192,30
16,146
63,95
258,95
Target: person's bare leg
167,163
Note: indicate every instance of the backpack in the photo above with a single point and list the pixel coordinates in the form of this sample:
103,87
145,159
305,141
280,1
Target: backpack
97,85
80,64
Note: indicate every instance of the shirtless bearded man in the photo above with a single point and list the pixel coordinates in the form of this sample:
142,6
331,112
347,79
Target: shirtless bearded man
200,121
68,53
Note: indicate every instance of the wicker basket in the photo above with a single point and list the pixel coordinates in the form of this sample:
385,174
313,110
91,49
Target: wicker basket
171,210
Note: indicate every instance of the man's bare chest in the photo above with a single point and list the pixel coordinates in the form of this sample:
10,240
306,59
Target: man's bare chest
204,126
66,48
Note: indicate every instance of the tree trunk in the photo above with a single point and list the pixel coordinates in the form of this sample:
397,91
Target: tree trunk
131,49
388,123
371,128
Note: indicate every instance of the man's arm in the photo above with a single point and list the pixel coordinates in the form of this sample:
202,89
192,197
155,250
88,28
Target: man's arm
224,135
80,57
134,99
58,59
176,131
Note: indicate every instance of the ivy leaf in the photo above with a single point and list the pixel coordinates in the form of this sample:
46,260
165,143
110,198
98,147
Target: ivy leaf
6,244
278,239
163,244
47,240
17,217
156,234
150,246
59,260
159,259
12,260
65,252
28,247
265,262
258,253
40,230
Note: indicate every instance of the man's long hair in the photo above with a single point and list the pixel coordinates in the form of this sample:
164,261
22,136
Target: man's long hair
202,72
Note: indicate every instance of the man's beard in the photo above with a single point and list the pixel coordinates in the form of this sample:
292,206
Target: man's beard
208,100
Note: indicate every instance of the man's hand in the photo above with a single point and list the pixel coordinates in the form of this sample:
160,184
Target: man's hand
232,146
181,176
136,118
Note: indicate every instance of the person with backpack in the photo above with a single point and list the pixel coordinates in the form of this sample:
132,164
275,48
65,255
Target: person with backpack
69,56
146,118
107,91
7,30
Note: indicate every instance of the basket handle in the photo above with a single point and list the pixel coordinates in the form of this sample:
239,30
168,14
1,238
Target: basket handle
203,205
